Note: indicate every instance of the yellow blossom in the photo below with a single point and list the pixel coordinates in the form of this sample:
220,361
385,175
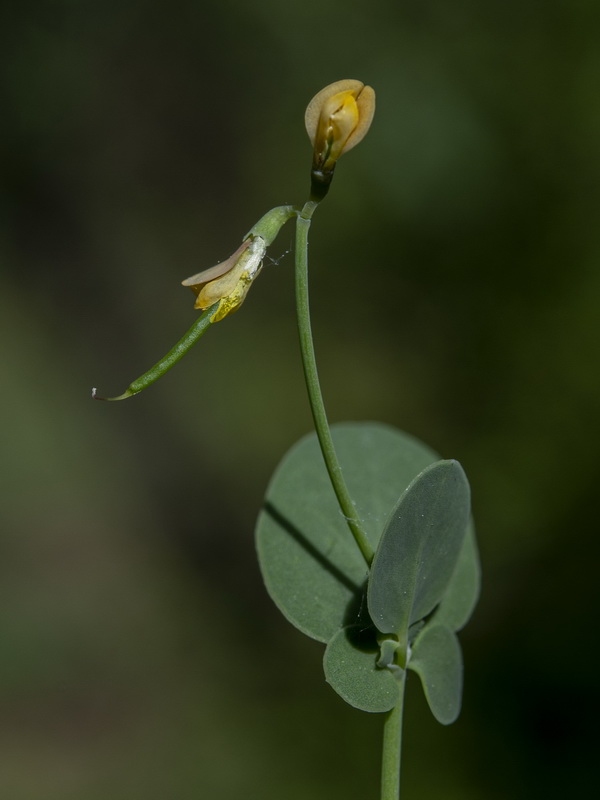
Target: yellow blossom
337,119
228,282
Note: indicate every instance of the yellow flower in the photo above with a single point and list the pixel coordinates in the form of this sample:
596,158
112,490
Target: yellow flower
228,282
337,119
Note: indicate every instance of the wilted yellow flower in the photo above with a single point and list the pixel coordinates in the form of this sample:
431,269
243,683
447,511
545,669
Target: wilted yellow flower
337,119
229,281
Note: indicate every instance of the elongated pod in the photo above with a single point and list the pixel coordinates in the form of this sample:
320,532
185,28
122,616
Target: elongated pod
177,352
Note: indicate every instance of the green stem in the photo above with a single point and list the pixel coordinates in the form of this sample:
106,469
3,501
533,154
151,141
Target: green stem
392,747
314,390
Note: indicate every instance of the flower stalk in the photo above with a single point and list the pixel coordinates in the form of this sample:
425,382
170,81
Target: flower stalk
311,376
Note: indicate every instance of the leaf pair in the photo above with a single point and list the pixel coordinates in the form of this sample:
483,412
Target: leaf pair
424,580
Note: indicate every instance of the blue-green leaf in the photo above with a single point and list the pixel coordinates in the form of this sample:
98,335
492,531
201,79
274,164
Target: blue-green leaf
419,548
350,665
460,598
437,660
310,562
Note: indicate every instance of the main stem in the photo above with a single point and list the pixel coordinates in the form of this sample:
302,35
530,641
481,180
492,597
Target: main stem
311,377
392,747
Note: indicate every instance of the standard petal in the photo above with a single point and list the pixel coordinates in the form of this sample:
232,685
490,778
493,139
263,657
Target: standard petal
200,279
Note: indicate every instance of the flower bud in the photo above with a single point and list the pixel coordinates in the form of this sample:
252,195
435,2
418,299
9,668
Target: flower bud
336,119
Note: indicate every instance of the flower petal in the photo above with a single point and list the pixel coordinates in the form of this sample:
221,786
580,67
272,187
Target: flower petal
313,110
230,290
200,279
217,289
365,101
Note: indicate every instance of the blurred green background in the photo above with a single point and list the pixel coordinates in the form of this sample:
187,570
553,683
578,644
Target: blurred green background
455,284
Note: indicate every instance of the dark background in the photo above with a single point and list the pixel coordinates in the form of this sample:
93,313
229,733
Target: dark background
455,291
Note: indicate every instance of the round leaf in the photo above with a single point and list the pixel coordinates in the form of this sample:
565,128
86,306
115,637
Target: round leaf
460,598
310,563
437,660
350,664
419,548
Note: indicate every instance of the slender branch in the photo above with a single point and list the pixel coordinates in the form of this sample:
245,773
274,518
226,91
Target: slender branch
392,747
314,390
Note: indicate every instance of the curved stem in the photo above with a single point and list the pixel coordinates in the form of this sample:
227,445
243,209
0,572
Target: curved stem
392,746
314,390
